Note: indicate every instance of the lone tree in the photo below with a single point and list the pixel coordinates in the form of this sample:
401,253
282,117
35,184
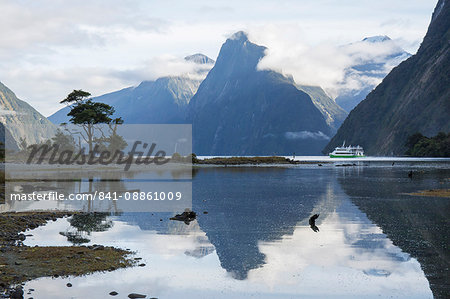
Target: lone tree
86,113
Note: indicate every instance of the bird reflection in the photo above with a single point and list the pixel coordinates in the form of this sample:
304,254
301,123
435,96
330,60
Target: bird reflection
410,174
312,222
187,216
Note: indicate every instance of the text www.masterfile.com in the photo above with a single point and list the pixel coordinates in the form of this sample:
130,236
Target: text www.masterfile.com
98,195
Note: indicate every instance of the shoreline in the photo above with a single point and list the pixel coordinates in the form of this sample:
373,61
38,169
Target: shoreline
306,160
257,160
20,263
328,159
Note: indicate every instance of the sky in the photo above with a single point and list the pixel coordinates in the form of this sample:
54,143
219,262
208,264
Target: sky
50,47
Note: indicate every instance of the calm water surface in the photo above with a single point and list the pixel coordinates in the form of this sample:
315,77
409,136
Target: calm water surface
374,240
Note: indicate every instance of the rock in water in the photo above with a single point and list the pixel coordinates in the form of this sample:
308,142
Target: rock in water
134,295
17,293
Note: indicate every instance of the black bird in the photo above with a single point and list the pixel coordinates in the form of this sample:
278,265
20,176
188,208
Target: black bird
187,216
410,174
312,222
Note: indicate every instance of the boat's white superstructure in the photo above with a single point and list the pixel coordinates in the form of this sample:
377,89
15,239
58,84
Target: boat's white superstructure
347,152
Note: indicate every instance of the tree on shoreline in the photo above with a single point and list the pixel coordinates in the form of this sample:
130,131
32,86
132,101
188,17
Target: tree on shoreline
87,114
422,146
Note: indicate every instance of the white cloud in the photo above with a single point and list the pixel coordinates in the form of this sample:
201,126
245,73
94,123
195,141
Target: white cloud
324,64
49,47
165,65
306,135
65,23
47,86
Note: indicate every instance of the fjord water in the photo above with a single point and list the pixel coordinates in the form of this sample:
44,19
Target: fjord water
255,239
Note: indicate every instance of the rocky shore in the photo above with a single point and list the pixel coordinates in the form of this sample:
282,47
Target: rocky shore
433,193
20,263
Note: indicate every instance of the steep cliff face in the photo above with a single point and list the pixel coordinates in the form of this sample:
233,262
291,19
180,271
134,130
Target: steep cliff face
6,140
414,97
333,113
239,110
21,120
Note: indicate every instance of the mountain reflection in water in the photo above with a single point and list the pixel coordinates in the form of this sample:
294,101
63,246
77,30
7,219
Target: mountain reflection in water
418,225
254,240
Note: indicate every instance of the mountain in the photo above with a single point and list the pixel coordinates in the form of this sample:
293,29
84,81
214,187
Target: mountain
239,110
152,102
374,57
377,39
161,101
333,113
199,59
22,121
414,97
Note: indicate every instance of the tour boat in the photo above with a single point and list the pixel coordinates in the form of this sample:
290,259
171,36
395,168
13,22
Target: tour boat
347,152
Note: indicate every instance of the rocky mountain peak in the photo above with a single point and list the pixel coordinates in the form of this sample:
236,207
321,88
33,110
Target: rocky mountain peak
199,59
377,39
